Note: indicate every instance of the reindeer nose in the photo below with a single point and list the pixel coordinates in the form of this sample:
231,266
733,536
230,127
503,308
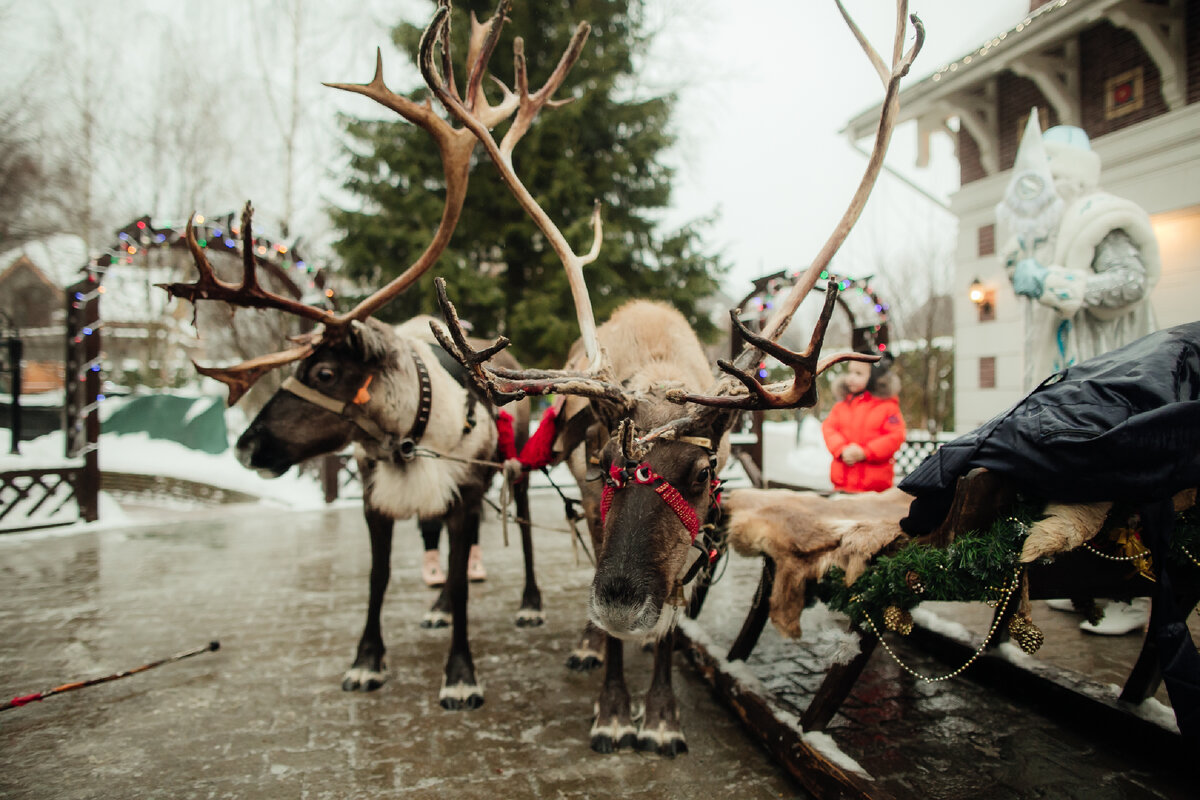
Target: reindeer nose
621,606
618,590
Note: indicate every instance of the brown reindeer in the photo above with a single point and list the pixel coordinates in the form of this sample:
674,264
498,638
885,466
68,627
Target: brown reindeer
651,477
425,440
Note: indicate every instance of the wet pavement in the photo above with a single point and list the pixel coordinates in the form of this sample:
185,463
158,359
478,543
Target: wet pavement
265,717
285,593
956,739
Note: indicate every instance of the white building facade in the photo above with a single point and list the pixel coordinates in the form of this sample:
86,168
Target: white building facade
1128,73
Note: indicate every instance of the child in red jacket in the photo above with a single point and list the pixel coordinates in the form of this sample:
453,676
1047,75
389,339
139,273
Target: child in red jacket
864,428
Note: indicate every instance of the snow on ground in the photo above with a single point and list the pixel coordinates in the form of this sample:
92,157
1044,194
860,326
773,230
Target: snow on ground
138,454
796,454
791,456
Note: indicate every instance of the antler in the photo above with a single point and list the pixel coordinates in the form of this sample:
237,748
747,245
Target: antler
805,365
249,294
505,386
805,368
455,146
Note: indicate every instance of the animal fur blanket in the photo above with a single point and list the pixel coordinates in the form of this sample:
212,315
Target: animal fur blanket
805,534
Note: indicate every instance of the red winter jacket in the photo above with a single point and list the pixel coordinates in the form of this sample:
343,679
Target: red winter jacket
873,422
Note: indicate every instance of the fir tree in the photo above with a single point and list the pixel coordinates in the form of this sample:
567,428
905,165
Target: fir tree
501,274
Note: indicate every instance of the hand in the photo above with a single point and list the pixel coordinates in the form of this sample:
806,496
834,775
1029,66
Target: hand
852,454
514,470
1029,278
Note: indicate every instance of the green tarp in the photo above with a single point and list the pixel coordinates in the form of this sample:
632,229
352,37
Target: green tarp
195,422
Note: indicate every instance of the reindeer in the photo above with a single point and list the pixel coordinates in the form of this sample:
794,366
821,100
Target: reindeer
392,391
650,482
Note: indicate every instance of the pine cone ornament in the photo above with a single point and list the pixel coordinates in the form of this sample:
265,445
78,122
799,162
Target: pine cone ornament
897,619
1027,635
914,582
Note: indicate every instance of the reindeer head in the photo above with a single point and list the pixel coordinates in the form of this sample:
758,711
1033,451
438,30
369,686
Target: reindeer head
655,503
322,406
658,465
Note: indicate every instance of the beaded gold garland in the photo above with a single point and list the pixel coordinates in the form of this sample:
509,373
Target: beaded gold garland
1011,589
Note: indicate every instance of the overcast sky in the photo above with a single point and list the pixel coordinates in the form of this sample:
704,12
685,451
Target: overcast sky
767,85
760,137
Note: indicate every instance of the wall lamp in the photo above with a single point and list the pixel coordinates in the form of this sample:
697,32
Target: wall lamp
982,298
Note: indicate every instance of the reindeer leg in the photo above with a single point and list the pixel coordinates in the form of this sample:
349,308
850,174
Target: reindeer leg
613,728
459,688
661,731
368,672
589,653
530,614
438,615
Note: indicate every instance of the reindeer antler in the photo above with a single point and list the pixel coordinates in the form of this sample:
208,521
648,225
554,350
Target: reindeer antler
805,365
249,294
454,147
805,368
505,386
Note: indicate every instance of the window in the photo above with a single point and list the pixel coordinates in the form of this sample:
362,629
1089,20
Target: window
987,240
987,372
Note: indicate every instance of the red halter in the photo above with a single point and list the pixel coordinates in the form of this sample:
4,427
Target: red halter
644,474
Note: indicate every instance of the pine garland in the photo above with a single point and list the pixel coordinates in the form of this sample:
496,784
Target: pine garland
978,566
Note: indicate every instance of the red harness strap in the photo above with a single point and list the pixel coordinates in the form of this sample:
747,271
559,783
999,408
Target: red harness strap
645,475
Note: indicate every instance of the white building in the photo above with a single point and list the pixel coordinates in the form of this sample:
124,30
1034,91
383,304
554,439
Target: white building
1128,73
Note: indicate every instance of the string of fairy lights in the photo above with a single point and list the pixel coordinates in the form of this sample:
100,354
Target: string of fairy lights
216,234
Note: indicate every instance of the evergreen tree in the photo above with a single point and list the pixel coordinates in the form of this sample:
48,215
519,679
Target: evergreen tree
501,274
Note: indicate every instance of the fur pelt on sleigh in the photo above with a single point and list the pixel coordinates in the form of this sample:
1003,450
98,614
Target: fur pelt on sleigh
807,533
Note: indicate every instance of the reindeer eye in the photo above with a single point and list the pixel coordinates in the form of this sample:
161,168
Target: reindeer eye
323,374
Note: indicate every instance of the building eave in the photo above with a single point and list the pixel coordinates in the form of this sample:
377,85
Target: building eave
1038,30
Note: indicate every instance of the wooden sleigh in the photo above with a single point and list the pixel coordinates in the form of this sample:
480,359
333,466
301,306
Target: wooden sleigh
980,499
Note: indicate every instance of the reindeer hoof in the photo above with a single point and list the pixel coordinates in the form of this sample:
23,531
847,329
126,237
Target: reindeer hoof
530,618
668,743
582,660
461,696
612,736
604,743
358,679
435,619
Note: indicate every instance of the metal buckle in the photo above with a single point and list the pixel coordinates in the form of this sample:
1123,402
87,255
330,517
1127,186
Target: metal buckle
406,449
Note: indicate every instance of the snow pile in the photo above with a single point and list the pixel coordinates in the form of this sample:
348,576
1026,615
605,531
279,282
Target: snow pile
795,453
138,454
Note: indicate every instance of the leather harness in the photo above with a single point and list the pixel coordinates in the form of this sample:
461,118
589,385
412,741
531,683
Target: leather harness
399,448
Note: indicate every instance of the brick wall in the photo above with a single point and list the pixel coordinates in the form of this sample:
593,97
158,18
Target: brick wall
1106,51
1015,96
970,167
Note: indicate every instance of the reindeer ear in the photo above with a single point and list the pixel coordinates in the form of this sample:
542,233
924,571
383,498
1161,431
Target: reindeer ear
369,342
